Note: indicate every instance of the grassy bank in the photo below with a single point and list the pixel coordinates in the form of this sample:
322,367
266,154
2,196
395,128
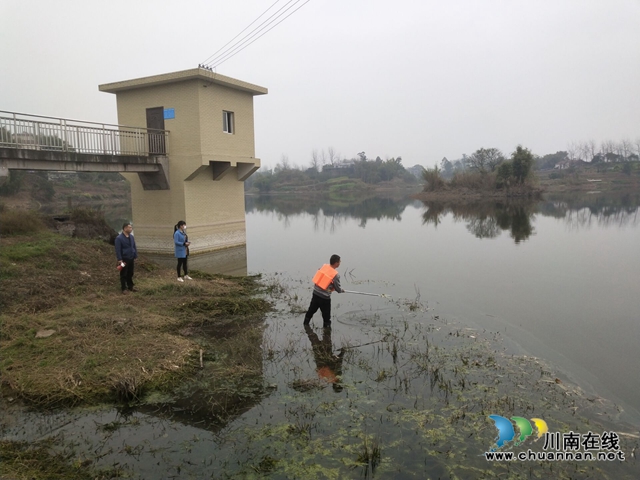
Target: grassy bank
472,194
338,188
70,337
586,179
591,178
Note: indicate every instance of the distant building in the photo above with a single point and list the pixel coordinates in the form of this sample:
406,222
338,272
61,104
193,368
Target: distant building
340,168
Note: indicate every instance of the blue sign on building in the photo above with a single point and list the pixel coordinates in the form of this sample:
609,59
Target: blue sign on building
169,113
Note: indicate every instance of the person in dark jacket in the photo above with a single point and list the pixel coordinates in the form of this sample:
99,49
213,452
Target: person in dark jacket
181,248
325,281
126,253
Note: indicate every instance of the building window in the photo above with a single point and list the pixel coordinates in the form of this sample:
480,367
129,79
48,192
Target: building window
227,122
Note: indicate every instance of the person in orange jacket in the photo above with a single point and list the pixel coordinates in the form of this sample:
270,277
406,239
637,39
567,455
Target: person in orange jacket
325,281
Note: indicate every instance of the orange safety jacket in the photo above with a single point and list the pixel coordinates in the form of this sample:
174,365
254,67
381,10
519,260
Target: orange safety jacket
325,276
325,373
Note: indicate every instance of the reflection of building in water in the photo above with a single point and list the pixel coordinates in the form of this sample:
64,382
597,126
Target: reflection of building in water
230,261
203,410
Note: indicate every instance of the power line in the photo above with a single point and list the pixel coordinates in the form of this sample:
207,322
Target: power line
274,16
242,43
213,56
239,45
221,61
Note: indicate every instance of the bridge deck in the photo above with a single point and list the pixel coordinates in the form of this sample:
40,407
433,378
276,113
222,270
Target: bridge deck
33,142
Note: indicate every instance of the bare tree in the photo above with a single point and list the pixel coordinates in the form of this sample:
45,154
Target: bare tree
572,150
333,157
464,161
607,146
627,148
486,159
593,149
315,161
284,163
583,151
637,142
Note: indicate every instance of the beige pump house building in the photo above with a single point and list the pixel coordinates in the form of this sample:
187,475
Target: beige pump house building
210,151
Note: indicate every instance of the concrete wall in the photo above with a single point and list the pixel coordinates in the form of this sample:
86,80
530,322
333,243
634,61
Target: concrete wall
214,99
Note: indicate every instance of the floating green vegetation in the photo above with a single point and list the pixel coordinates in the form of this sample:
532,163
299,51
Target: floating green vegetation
414,405
26,461
276,288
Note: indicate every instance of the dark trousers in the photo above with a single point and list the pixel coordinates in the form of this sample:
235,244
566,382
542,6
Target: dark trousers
126,275
324,304
182,262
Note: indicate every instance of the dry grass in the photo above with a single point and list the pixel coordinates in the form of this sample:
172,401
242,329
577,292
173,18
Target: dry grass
97,352
106,345
20,222
473,181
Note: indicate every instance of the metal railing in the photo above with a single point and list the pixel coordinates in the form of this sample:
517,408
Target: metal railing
35,132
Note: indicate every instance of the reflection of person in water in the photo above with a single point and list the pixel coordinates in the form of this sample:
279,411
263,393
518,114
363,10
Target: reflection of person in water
328,365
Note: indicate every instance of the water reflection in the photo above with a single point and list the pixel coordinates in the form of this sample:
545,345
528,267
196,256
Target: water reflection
486,219
328,365
330,214
227,261
583,211
230,380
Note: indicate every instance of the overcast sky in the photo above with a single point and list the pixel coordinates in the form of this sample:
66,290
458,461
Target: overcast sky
413,78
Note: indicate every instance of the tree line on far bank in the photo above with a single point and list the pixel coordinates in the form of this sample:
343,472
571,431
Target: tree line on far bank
325,167
608,151
487,169
490,169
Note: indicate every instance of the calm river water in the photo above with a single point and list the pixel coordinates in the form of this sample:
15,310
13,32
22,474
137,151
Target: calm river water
559,278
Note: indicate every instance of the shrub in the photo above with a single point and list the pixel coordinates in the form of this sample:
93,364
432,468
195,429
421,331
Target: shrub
505,172
87,216
13,184
433,180
473,181
522,160
42,189
20,222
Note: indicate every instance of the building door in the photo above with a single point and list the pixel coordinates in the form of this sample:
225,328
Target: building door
155,126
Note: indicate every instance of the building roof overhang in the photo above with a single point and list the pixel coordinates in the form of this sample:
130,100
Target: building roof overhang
181,76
